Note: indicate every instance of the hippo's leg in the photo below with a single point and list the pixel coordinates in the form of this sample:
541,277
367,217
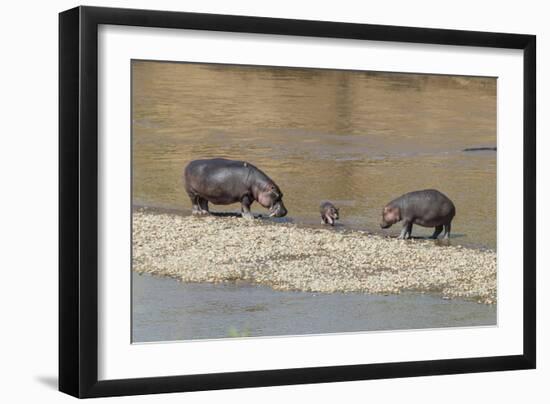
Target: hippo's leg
203,205
409,230
245,207
406,231
196,209
447,233
437,232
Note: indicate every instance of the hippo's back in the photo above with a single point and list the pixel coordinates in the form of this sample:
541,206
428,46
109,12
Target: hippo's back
430,202
428,194
326,205
212,167
217,176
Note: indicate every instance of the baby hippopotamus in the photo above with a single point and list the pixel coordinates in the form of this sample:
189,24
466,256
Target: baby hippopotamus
222,182
329,213
428,208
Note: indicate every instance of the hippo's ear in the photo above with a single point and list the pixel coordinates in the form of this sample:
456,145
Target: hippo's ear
393,211
273,189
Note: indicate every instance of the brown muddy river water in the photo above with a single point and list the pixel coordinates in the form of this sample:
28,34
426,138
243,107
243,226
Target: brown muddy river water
358,139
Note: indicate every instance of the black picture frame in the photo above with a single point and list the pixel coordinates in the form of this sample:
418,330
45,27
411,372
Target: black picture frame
78,201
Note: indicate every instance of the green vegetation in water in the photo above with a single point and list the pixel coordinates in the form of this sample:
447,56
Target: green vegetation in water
233,332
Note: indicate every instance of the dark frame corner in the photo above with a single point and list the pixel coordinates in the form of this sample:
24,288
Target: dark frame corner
78,209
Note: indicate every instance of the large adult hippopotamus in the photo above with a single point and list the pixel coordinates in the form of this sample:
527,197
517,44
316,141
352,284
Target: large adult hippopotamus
428,208
222,182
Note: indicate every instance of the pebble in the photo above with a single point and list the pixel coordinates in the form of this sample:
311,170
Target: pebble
287,256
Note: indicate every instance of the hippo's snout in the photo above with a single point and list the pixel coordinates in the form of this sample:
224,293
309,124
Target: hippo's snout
281,213
385,225
278,210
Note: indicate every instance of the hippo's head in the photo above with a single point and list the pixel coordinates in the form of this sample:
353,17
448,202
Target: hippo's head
271,197
331,214
390,215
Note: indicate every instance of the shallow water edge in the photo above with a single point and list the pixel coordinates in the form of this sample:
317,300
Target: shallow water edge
456,239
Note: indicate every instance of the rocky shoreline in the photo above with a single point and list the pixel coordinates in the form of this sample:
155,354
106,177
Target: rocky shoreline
286,256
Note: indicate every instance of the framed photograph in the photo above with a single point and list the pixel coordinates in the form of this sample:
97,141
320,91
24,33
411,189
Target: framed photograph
251,201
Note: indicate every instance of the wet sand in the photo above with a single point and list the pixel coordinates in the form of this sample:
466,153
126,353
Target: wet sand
167,310
288,257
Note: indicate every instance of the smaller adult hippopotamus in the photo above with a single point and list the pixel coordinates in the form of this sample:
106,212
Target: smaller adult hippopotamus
428,208
329,213
222,182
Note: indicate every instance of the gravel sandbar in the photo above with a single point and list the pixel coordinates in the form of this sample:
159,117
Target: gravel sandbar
286,256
